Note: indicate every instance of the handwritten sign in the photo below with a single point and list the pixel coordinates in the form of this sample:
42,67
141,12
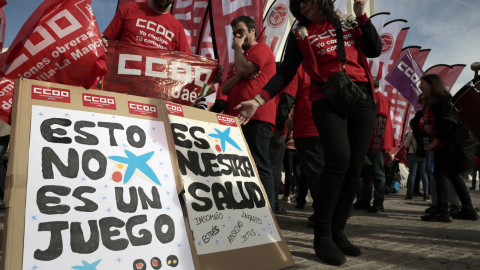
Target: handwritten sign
226,206
101,194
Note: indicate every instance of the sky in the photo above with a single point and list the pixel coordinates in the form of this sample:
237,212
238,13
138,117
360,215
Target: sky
450,28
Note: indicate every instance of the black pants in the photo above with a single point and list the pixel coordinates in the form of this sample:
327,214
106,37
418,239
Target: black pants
345,143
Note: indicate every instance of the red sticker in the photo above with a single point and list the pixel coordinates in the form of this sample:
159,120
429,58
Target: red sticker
97,101
142,109
50,94
226,120
174,109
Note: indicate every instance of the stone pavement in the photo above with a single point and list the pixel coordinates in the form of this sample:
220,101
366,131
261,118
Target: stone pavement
394,239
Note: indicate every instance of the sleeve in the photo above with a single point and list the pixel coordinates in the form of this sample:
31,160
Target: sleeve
444,120
285,104
371,40
114,29
292,60
259,55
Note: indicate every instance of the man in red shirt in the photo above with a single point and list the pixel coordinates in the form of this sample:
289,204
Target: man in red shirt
382,140
148,24
253,66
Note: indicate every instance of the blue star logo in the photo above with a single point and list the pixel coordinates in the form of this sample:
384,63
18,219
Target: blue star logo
224,137
136,162
87,266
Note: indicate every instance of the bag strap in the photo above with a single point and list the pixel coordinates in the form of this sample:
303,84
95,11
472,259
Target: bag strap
340,44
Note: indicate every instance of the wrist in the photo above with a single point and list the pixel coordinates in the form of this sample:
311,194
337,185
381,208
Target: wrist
258,102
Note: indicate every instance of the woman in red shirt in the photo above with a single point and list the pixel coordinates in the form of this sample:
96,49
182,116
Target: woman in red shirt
345,138
449,139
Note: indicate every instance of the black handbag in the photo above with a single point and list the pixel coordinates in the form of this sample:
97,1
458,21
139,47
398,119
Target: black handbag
344,95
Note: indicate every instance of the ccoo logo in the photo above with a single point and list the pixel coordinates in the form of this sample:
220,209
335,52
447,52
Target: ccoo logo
278,16
387,42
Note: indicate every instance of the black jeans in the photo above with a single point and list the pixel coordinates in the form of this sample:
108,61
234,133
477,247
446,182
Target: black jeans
345,143
257,134
374,177
312,162
445,172
277,150
292,170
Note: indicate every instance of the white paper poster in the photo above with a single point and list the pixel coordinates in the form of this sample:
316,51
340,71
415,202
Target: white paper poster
101,194
226,207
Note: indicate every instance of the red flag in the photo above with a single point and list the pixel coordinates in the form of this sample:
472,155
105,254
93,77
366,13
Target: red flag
3,3
60,42
452,76
153,72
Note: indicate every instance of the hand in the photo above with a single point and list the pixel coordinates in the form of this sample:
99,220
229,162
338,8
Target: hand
429,129
105,43
253,75
247,110
359,7
432,145
219,76
238,42
376,149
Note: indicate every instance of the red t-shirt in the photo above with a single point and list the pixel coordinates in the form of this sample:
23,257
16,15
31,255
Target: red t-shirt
303,125
139,24
324,45
383,108
262,56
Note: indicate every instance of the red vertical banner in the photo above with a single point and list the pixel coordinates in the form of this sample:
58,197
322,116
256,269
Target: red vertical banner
192,15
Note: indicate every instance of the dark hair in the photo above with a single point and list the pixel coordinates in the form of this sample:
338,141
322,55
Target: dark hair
249,22
437,86
324,6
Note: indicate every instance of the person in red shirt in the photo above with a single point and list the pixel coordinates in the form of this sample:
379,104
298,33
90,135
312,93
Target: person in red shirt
382,141
150,24
450,143
254,65
345,138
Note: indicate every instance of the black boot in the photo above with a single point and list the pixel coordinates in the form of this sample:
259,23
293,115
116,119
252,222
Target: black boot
345,246
328,251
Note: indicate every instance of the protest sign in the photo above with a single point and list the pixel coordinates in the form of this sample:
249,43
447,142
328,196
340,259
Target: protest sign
228,210
152,72
91,184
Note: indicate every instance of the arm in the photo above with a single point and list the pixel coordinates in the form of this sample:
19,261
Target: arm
292,60
285,105
378,133
371,41
230,83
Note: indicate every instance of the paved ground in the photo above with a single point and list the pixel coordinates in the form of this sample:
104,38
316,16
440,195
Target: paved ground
395,239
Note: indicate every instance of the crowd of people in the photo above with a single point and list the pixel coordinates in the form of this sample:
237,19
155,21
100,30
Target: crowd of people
338,156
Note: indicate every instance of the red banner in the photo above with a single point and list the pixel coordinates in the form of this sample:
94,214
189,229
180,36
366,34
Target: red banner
60,42
150,72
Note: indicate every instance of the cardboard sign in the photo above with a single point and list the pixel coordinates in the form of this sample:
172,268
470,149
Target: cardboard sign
100,192
227,206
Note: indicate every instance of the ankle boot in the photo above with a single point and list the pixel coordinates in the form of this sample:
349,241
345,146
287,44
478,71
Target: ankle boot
344,245
326,249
